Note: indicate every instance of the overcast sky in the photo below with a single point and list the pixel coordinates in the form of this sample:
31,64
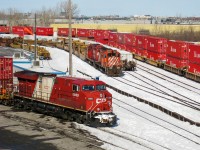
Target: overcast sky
115,7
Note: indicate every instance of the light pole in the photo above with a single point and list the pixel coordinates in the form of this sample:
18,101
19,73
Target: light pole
70,38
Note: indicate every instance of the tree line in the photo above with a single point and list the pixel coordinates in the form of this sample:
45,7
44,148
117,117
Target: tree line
45,16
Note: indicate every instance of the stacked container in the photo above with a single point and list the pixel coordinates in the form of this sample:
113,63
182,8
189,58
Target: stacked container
6,75
141,45
194,59
130,42
156,49
112,39
177,54
22,30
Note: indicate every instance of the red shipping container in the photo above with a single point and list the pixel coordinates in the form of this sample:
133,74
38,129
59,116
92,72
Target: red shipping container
194,53
141,41
131,49
65,32
156,56
84,33
130,39
6,68
4,29
101,34
112,43
22,30
194,68
112,36
156,44
177,49
102,41
141,52
177,63
44,31
121,46
120,38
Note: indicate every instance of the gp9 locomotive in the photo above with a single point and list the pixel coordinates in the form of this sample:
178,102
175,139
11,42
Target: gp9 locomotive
74,99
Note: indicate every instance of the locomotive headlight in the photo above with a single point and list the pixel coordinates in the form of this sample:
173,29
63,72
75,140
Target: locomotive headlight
98,109
90,98
101,95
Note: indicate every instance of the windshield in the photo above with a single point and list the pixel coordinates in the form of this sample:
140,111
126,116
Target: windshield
88,88
101,87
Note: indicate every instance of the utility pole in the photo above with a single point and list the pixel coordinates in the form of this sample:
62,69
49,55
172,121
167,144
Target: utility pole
35,56
70,39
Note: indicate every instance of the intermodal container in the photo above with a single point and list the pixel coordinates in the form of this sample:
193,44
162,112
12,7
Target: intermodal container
102,41
4,29
176,63
88,33
101,34
121,46
156,44
130,39
120,38
194,53
194,68
141,52
112,36
131,49
22,30
141,41
159,57
65,32
6,68
177,49
112,43
44,31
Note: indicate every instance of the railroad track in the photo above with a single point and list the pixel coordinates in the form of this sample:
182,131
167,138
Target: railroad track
196,136
169,79
160,93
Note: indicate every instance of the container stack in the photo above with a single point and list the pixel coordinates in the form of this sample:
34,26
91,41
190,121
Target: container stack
6,76
177,54
156,49
194,59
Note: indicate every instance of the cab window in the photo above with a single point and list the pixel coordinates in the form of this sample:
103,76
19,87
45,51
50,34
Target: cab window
101,87
75,88
88,88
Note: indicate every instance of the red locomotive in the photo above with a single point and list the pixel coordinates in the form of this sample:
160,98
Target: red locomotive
81,100
107,60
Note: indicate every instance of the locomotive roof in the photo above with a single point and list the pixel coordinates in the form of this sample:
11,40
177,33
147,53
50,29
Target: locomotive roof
77,80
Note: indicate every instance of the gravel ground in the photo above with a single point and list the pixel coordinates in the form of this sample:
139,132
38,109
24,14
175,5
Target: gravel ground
21,130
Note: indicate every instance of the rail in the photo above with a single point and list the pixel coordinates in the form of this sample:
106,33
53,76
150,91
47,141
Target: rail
161,108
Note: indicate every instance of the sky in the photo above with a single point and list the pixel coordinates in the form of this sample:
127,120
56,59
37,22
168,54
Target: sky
115,7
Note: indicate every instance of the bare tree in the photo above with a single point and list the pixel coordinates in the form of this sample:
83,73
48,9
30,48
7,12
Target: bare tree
64,5
46,16
14,17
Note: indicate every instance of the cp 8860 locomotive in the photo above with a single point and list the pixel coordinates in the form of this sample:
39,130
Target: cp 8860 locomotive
75,99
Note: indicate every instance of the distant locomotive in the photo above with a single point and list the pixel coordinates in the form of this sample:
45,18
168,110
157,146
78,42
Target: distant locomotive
75,99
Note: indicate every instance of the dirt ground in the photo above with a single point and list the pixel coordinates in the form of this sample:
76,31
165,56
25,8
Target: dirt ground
21,130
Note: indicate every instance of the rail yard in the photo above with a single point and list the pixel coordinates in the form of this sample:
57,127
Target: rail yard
70,81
